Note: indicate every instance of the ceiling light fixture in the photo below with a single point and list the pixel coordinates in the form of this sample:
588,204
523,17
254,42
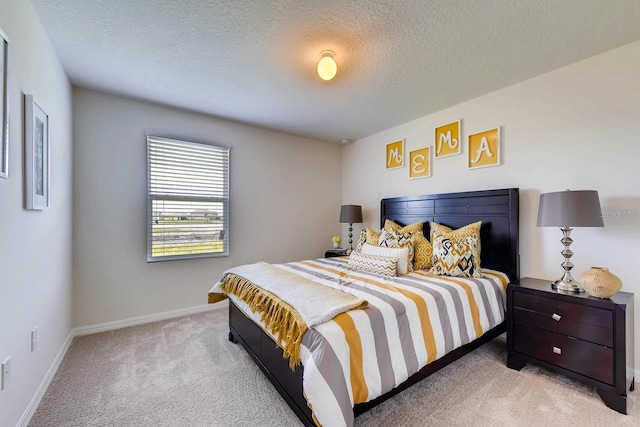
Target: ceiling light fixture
327,66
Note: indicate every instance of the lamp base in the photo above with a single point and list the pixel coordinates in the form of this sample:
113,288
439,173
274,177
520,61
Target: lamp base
567,285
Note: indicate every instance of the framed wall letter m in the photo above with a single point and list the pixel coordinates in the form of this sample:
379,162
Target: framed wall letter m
448,140
395,155
484,149
420,163
36,151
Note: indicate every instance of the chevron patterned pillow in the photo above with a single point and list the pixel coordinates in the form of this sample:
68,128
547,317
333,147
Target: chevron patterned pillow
401,253
386,266
367,236
393,239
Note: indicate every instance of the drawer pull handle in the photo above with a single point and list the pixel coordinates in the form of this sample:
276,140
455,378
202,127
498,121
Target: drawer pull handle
556,317
557,350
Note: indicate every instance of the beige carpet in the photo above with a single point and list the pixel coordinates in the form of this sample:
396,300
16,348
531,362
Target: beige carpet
184,372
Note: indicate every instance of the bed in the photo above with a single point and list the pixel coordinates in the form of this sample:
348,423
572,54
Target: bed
498,211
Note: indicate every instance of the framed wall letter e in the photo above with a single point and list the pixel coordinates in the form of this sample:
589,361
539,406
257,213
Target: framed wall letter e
484,149
4,106
420,163
36,151
395,154
448,140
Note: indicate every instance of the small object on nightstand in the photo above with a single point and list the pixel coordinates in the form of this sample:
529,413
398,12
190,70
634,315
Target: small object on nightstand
330,253
600,282
584,338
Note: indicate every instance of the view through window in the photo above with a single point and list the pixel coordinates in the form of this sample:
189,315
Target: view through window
188,199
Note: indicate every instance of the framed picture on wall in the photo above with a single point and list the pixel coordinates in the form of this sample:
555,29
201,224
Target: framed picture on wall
36,153
448,140
420,163
4,106
395,154
484,149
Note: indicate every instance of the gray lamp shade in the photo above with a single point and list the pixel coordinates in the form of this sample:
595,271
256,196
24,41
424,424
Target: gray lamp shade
570,209
351,214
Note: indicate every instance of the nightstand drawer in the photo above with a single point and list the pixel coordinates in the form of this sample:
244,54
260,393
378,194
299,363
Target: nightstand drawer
534,303
533,318
591,360
584,331
588,315
579,321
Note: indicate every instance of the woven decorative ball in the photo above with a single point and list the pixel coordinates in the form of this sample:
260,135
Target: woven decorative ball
600,282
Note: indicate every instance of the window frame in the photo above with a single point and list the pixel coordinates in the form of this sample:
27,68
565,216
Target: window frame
151,197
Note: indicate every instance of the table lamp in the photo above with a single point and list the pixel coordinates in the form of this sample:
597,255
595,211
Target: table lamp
350,214
566,209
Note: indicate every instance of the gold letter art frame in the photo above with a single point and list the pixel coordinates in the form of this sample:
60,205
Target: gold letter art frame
420,163
448,140
395,155
484,149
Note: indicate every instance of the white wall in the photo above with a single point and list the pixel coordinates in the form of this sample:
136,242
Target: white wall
577,127
35,259
285,201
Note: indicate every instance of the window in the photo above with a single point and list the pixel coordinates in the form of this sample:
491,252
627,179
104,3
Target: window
188,199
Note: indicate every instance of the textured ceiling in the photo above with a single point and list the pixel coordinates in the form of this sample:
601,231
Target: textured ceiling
254,61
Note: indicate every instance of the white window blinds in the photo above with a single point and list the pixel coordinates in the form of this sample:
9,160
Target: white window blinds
188,199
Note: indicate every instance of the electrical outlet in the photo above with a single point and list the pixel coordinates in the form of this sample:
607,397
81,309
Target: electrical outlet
34,339
6,373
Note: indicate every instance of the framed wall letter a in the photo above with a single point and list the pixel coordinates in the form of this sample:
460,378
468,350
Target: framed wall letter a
484,149
395,154
448,140
420,163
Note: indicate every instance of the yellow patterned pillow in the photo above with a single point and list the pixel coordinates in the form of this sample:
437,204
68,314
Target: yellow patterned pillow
456,256
465,231
367,236
373,237
384,265
423,252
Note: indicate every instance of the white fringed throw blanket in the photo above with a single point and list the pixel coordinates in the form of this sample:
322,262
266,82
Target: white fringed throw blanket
289,304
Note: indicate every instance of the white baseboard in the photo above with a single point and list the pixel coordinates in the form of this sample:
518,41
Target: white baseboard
102,327
132,321
33,405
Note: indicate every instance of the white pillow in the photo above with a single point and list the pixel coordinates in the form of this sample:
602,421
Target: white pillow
401,253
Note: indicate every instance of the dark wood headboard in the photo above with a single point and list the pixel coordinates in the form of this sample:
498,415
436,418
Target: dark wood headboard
497,209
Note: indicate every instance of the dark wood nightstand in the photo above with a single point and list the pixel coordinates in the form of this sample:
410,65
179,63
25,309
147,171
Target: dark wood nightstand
585,338
330,253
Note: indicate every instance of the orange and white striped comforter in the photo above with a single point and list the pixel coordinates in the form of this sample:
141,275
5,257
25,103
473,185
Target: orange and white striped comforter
410,321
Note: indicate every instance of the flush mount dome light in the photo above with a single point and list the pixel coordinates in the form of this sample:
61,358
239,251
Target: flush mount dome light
327,67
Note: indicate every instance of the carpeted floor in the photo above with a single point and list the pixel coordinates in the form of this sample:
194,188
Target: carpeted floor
184,372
